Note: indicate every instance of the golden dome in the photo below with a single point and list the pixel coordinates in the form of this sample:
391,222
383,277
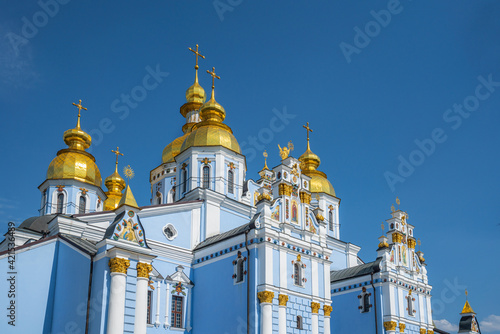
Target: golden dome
319,182
173,149
195,93
115,184
73,162
211,131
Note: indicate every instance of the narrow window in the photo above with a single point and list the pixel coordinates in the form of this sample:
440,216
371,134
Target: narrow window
158,199
230,182
206,177
81,205
297,274
366,303
60,201
150,304
410,305
299,322
176,318
184,180
239,271
330,220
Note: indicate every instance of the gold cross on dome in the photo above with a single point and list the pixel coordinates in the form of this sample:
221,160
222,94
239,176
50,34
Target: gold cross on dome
117,152
196,54
80,107
308,129
213,76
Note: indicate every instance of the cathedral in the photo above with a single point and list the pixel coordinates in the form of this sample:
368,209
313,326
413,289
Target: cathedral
215,251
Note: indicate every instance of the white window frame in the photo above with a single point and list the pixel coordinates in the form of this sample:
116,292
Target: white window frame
301,279
174,230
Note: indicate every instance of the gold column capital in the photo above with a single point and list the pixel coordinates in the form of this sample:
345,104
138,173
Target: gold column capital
315,307
119,265
283,299
390,325
397,237
305,197
143,269
430,331
402,327
412,243
327,309
265,296
423,331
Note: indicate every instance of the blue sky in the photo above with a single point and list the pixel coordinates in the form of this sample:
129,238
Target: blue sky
384,104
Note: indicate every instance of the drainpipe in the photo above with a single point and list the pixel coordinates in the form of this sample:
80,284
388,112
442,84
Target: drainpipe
90,293
375,304
248,282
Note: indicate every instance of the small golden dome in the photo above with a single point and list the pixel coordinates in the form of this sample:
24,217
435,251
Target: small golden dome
74,164
115,184
173,149
319,182
195,93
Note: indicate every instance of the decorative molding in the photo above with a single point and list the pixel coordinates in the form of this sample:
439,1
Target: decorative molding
315,307
411,243
285,189
305,197
283,299
327,309
143,269
119,265
265,296
390,325
397,237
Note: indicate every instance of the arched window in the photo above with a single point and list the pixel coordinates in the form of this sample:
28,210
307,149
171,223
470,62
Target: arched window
366,303
230,182
299,322
297,274
184,180
206,177
330,220
60,203
239,271
158,199
82,204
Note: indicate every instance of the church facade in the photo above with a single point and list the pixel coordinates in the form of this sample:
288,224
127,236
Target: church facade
215,252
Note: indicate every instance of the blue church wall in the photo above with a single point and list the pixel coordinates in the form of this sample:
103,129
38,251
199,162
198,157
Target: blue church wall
154,225
298,306
230,219
215,291
346,306
339,260
321,279
71,295
34,305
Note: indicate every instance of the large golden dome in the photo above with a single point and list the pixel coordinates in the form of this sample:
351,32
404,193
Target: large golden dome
319,182
74,162
173,149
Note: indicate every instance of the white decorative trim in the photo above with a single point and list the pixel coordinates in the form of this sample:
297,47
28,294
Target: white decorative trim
167,307
174,231
157,316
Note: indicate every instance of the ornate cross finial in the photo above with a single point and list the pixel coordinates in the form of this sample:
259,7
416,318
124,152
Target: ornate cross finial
466,294
129,172
382,226
308,129
196,66
213,79
196,54
398,202
265,159
80,107
117,152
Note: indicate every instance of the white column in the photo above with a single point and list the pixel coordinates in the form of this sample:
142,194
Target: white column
326,323
283,299
116,308
167,307
314,318
141,298
158,295
266,311
326,320
188,305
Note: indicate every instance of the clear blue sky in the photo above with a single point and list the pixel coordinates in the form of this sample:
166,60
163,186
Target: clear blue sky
367,100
